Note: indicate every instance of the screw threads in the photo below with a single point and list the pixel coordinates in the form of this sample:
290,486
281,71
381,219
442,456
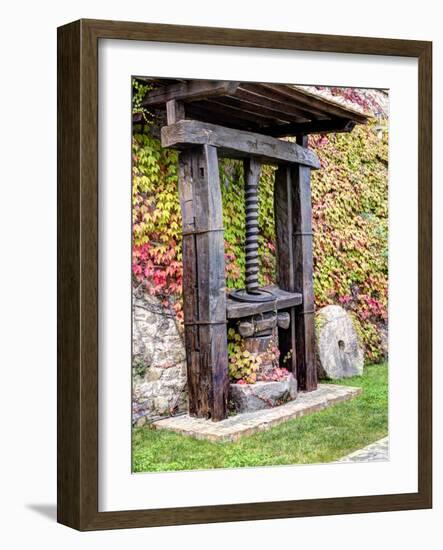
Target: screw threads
252,229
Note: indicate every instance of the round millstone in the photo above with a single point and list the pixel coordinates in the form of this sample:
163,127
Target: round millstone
339,352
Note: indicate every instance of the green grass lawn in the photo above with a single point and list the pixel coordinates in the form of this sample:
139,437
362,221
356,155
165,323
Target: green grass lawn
320,437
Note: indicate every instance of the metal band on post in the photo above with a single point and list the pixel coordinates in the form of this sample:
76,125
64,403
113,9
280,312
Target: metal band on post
202,231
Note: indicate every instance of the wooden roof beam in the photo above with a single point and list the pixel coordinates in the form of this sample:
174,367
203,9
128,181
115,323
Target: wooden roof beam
191,90
227,113
281,110
338,125
314,104
272,96
254,94
258,111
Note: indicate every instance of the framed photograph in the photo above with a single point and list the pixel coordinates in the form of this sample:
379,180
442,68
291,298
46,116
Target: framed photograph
244,275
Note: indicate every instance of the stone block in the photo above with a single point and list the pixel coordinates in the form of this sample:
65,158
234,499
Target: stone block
262,395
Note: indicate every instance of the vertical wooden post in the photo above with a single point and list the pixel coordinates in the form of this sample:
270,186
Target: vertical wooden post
303,274
284,230
175,111
293,224
204,287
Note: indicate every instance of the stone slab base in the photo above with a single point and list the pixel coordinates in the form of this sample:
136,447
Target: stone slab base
243,424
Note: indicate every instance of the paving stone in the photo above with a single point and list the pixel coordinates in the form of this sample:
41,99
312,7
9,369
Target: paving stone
375,452
248,423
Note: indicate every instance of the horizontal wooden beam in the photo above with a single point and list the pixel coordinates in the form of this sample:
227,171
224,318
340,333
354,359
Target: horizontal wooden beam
314,127
283,299
236,143
192,90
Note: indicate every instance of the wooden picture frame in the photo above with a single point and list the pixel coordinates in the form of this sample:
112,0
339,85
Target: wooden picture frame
78,274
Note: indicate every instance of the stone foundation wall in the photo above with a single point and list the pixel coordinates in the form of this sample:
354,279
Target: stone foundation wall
158,361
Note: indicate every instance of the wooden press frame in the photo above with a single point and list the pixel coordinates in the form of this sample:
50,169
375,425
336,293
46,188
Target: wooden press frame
204,287
78,274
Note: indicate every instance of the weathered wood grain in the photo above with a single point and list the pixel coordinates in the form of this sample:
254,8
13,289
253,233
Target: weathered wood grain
284,231
204,287
303,274
321,106
252,94
213,112
190,276
175,111
315,127
236,143
191,90
284,299
270,109
241,107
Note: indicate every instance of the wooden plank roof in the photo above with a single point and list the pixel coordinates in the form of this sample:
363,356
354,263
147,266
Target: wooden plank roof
277,110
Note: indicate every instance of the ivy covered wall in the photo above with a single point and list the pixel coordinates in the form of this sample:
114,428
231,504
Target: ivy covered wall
350,220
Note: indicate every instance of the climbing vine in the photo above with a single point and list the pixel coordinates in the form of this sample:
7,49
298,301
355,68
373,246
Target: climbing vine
350,222
243,366
156,221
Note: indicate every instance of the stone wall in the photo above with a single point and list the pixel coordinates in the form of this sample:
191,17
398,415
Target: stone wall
158,361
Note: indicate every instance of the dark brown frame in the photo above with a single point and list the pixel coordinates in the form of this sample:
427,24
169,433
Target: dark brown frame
77,274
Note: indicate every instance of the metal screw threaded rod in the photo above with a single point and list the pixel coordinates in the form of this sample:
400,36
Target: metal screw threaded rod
251,176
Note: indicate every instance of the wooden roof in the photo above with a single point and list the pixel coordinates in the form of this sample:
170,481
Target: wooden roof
277,110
